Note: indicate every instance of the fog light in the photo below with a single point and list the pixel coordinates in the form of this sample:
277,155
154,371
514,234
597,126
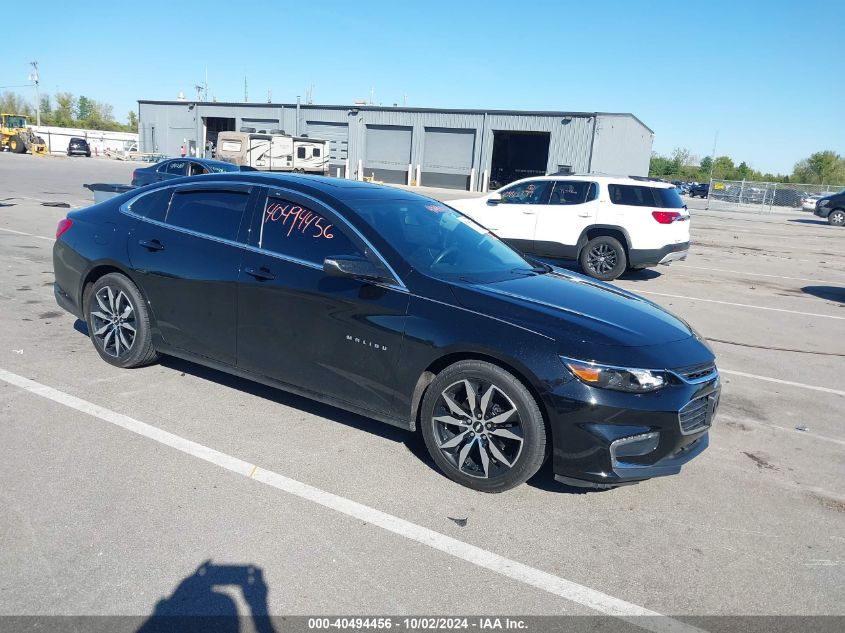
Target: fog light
635,446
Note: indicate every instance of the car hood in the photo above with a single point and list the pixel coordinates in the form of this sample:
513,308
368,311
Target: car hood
575,310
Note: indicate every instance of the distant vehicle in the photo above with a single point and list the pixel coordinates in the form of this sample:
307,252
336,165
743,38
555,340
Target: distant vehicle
612,224
809,201
78,146
178,167
786,198
17,137
833,208
274,152
701,190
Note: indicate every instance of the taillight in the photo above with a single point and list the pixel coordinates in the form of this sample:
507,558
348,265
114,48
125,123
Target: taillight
63,226
665,217
134,175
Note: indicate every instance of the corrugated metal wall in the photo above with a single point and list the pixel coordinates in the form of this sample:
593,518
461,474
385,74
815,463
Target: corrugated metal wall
457,141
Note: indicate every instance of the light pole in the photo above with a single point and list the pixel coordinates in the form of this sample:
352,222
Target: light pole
34,78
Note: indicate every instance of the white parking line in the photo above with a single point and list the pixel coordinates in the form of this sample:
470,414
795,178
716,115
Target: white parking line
741,305
742,272
40,237
574,592
783,382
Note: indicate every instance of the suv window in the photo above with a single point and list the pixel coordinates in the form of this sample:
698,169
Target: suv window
176,167
152,205
291,229
534,192
572,192
216,213
642,196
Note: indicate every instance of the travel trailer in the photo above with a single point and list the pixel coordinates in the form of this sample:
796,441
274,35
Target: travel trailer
274,151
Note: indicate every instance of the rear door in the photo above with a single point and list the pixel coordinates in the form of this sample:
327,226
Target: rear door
172,169
572,207
514,218
186,251
335,336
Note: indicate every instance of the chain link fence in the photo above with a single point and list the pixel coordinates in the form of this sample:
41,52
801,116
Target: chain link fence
766,197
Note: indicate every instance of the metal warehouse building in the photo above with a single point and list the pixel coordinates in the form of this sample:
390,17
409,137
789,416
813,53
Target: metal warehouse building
461,149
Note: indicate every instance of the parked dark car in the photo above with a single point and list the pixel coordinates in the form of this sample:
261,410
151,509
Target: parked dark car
78,146
178,167
397,307
700,190
832,208
786,197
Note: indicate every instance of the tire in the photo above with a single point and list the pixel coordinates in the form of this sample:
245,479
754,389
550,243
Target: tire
603,258
16,145
111,297
836,218
492,456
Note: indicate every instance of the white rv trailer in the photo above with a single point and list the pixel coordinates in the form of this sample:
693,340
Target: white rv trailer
274,152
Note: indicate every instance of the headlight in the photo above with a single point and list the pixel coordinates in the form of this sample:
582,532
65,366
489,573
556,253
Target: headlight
616,378
822,203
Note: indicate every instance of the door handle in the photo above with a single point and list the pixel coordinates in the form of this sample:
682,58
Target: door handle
153,245
583,215
263,274
528,212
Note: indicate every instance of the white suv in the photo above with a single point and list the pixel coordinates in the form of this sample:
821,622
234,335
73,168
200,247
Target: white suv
609,224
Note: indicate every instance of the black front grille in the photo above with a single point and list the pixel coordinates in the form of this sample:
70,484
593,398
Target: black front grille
697,414
696,371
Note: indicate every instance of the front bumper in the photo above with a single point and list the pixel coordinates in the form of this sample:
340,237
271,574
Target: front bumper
588,424
642,257
822,212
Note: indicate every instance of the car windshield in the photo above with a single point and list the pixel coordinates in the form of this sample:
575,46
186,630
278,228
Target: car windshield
219,168
438,241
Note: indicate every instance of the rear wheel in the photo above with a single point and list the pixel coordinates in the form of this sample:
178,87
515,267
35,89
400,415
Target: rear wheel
603,258
482,427
118,322
17,145
836,217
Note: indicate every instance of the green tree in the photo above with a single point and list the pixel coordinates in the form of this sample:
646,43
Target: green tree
825,167
744,172
84,108
132,121
63,115
13,103
724,169
706,164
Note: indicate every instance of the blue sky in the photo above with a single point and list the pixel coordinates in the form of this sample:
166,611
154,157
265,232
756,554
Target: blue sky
765,74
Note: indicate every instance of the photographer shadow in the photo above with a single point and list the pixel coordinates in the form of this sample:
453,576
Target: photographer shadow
205,602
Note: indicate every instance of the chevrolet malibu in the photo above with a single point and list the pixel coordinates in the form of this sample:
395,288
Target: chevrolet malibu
401,309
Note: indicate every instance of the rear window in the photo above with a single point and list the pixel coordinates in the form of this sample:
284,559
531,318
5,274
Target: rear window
220,168
642,196
215,213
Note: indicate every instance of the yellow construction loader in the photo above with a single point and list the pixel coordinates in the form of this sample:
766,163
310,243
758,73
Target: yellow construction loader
16,137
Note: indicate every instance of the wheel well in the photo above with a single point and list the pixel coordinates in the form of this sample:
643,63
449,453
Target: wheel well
430,373
598,231
91,278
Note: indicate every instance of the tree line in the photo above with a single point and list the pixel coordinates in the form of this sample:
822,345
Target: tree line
825,167
65,109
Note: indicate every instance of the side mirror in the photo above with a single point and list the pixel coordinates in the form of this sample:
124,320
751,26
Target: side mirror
351,267
494,198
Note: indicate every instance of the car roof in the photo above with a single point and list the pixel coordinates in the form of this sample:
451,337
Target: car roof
603,178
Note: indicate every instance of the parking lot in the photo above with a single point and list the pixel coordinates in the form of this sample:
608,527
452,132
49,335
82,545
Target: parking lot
119,484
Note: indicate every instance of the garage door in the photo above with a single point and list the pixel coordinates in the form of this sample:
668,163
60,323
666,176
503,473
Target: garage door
338,136
389,146
448,149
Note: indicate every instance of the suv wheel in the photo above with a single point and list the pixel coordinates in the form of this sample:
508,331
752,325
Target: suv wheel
603,258
482,427
836,217
118,322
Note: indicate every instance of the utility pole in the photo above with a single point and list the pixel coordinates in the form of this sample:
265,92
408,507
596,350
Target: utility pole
34,78
246,94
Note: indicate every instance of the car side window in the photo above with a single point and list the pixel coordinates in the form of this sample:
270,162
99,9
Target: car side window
534,192
568,192
213,212
176,167
296,231
197,170
153,205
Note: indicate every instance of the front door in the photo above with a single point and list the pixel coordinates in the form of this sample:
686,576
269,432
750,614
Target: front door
332,336
187,263
514,217
573,206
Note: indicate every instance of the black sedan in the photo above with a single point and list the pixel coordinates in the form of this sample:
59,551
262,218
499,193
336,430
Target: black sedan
78,147
397,307
178,167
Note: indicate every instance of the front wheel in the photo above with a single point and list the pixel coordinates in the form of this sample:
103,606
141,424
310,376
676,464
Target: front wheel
482,427
118,322
836,218
603,258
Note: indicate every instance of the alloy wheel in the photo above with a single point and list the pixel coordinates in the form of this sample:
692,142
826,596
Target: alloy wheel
602,258
113,321
837,218
477,428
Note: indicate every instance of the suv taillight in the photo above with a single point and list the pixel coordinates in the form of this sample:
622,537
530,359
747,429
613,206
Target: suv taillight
63,226
665,217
